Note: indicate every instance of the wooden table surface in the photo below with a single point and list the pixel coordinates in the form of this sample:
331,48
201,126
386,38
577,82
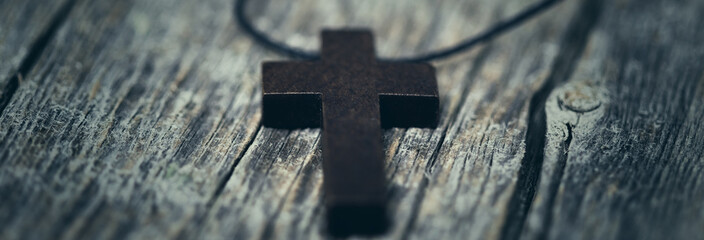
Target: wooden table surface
141,119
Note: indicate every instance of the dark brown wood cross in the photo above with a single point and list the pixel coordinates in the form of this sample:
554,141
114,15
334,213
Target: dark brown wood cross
351,96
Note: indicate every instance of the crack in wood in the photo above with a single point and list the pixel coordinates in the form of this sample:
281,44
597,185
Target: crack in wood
561,164
477,64
417,201
225,180
573,44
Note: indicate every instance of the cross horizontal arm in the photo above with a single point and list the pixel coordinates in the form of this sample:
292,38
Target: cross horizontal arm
290,77
408,95
291,95
416,79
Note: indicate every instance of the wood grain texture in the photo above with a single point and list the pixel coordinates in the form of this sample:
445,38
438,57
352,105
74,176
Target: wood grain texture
129,123
24,25
624,155
141,119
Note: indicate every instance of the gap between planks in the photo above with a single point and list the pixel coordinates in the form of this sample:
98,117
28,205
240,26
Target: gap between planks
35,51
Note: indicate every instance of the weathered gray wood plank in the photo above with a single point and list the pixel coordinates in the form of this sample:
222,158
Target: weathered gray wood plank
140,119
624,154
24,25
128,123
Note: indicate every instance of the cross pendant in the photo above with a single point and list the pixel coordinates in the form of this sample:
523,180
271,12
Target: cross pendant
351,96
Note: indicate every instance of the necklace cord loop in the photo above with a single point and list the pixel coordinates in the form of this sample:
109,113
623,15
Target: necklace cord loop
497,29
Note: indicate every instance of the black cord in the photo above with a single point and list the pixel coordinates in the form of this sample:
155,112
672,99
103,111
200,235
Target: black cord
488,34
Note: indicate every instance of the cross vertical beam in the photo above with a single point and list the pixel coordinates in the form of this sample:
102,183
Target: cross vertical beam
354,179
347,93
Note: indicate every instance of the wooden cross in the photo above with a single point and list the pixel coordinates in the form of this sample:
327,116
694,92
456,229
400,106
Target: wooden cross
351,96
